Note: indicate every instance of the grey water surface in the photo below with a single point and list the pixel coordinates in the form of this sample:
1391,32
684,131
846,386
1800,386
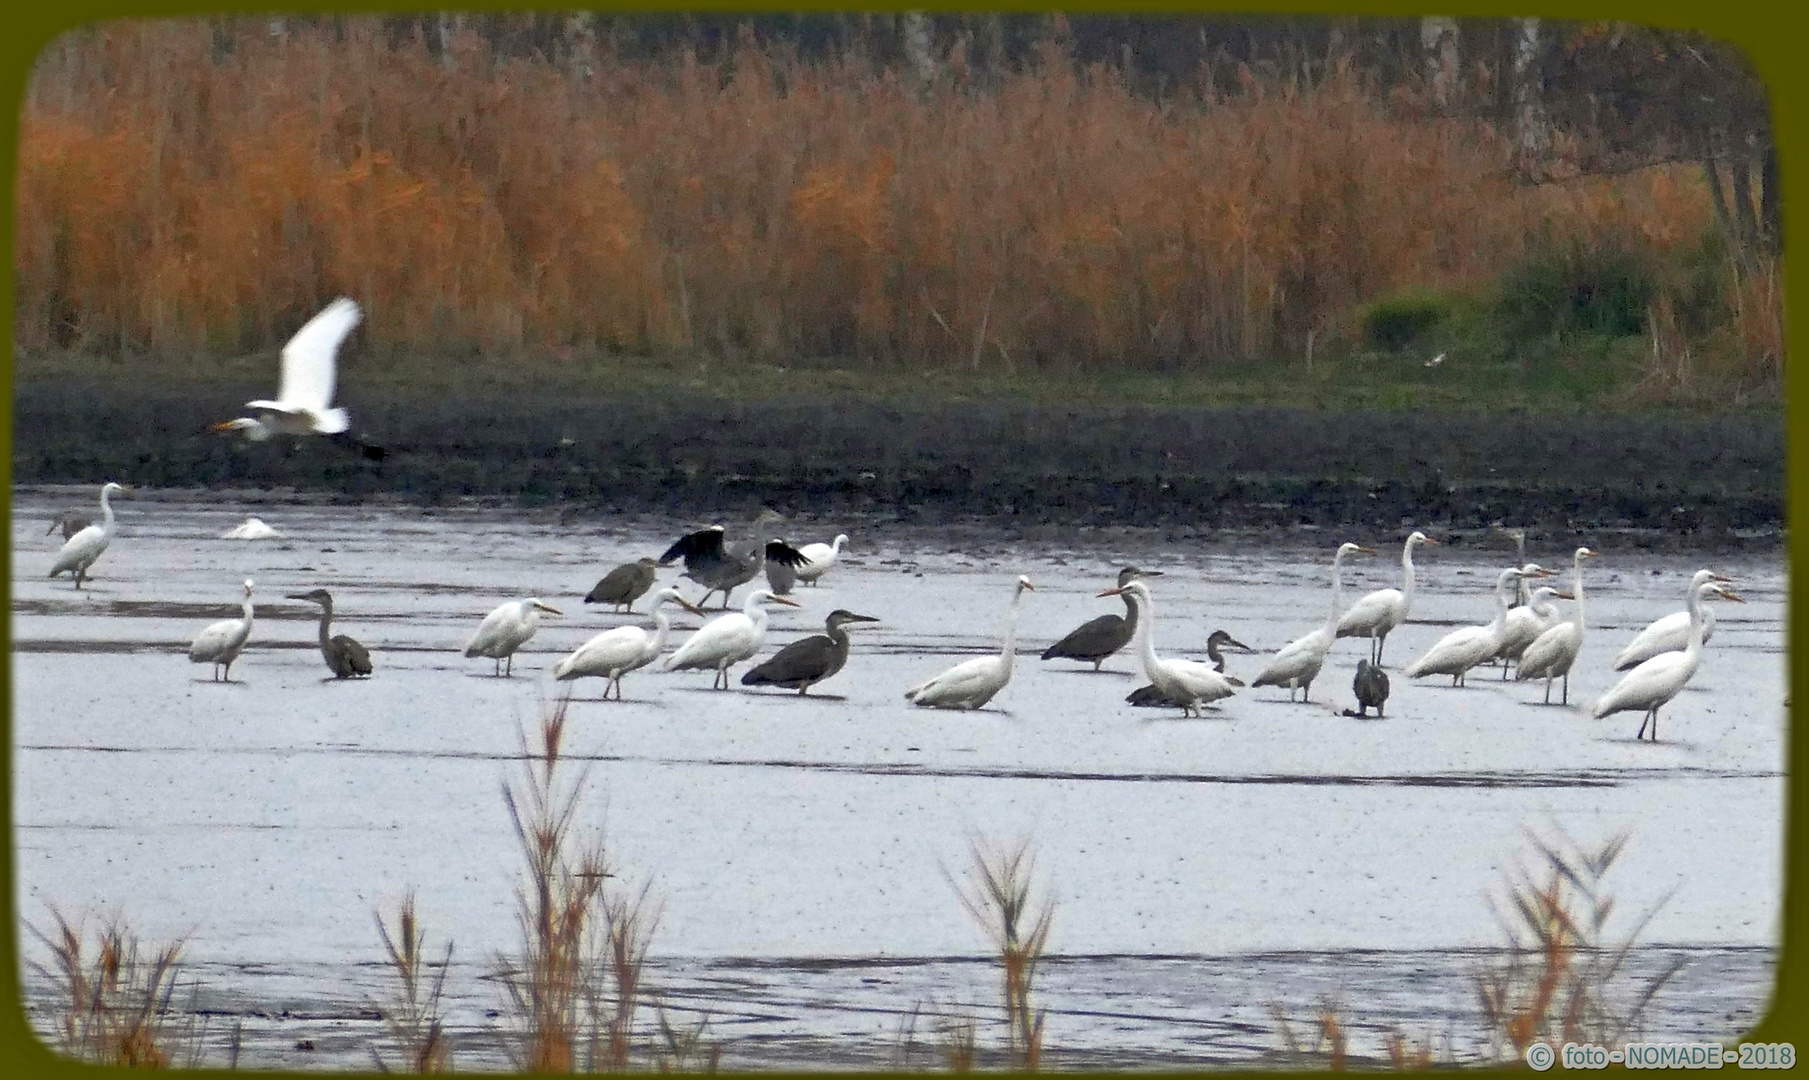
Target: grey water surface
804,851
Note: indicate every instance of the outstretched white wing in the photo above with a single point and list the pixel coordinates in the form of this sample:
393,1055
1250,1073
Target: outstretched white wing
311,357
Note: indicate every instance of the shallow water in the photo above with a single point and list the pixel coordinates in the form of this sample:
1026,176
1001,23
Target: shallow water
802,848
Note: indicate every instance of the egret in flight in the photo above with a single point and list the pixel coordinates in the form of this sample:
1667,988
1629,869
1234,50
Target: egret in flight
972,683
80,550
304,398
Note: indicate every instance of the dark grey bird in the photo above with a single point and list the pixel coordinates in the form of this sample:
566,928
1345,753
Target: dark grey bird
808,661
1148,697
70,521
345,657
624,585
1371,688
1097,639
720,567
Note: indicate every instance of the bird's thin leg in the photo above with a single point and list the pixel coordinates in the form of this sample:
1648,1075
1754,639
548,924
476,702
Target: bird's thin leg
1567,688
1642,725
1548,690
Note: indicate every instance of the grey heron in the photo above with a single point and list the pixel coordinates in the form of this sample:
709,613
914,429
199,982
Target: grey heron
624,585
808,661
721,567
344,656
1098,638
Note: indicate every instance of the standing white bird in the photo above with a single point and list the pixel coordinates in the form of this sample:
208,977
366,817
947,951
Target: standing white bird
1462,649
972,683
1381,611
304,399
727,640
251,529
1299,661
222,642
1655,682
1187,683
80,550
1554,652
1526,622
616,652
1671,633
506,629
820,559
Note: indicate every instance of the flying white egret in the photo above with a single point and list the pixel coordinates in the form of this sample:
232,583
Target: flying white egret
1381,611
506,629
1462,649
1187,683
1655,682
1299,661
304,399
345,657
616,652
1671,633
251,529
80,550
1554,652
1526,622
727,640
222,642
972,683
820,559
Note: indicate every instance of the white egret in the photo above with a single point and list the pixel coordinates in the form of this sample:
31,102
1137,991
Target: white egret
972,683
80,550
507,629
819,559
251,529
1381,611
1527,622
345,657
614,653
1464,648
1671,633
1187,683
728,639
1655,682
304,397
1554,652
1147,696
222,642
1299,661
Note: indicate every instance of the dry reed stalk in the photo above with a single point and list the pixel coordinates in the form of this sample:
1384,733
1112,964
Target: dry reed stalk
685,1049
1553,980
999,897
1405,1056
959,1040
1329,1049
115,1009
413,1015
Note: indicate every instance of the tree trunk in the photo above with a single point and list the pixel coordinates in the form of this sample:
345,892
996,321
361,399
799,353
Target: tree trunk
1532,128
1438,41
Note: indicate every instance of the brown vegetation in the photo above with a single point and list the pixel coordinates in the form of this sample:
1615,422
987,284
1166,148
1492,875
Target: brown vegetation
114,1009
999,897
198,187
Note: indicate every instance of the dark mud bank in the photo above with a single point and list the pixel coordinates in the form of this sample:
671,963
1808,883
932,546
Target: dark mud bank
1683,479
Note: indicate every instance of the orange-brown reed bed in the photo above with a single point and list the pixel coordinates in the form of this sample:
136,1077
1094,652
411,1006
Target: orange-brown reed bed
196,186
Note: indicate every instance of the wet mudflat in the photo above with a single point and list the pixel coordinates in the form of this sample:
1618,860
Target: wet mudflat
1204,867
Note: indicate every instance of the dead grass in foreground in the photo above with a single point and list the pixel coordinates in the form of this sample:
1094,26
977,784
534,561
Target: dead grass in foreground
114,1004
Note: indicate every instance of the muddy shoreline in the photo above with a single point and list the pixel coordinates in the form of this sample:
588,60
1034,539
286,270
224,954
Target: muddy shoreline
1652,481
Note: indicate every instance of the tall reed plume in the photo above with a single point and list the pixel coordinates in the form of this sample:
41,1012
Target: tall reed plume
417,1030
113,1006
999,895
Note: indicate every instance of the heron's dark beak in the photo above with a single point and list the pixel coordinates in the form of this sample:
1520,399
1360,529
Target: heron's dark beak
861,618
1239,644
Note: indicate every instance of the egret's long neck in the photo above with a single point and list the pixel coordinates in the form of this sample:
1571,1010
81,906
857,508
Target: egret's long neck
1699,615
106,511
1331,620
1146,636
247,609
1407,573
1009,651
1578,617
662,626
1501,608
836,548
1130,612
